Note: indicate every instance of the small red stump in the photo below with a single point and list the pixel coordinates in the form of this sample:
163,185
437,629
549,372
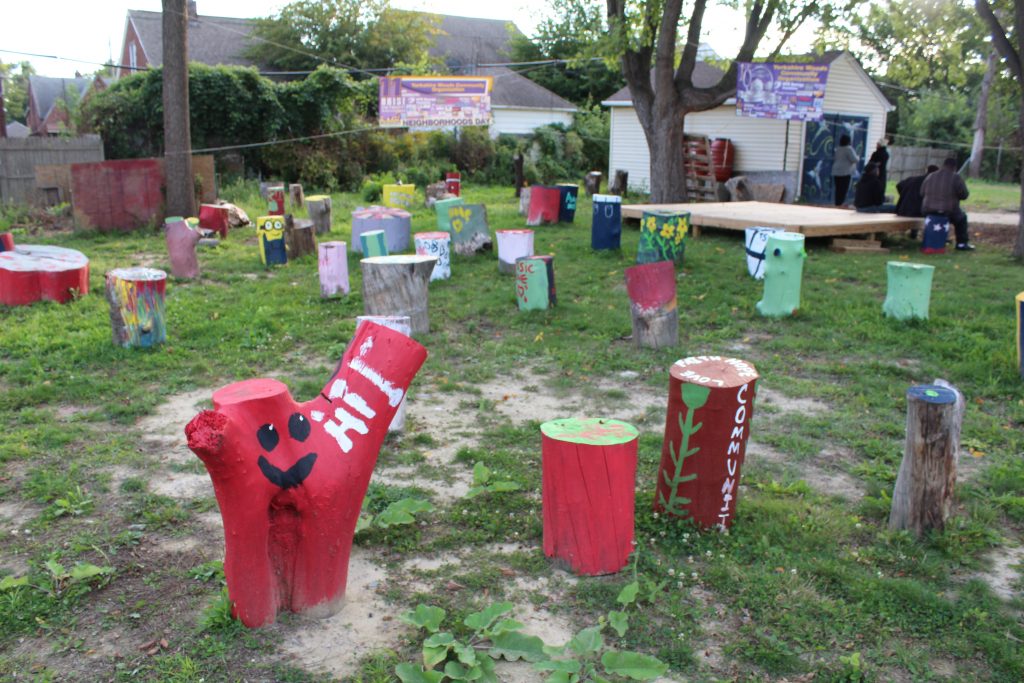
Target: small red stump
215,217
32,272
275,200
589,475
6,241
290,477
453,183
710,403
544,205
652,302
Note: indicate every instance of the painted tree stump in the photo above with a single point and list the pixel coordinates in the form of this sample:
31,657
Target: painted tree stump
524,200
399,196
606,222
453,183
299,236
545,203
137,312
1019,301
909,290
181,247
710,403
662,236
215,217
439,246
270,235
755,240
318,206
535,282
923,496
588,492
783,271
373,243
400,324
441,207
592,183
332,263
469,229
652,304
396,224
620,183
935,234
6,241
397,285
296,196
568,197
275,200
513,244
290,477
32,272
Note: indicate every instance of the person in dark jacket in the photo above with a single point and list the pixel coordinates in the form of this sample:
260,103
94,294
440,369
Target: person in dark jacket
881,157
941,193
869,197
909,203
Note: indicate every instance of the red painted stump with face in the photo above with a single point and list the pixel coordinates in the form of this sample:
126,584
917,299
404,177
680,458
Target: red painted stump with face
290,477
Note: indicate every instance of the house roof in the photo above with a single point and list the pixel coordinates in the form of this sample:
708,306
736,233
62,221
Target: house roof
46,91
513,90
469,41
17,130
211,40
704,76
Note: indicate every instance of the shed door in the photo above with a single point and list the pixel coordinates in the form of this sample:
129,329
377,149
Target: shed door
822,137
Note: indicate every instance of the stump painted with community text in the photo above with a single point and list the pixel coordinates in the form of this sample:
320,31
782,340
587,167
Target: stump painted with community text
662,236
588,492
290,477
396,224
397,285
909,290
438,245
270,234
784,258
535,282
652,303
400,324
923,495
137,309
35,272
710,404
318,206
606,222
513,244
181,241
332,264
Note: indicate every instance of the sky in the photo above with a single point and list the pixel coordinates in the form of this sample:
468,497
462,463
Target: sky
93,31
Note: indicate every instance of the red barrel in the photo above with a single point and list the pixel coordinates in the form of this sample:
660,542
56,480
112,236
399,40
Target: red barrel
453,183
723,153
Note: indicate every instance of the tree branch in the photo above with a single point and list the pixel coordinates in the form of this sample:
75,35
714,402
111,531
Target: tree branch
684,75
1000,37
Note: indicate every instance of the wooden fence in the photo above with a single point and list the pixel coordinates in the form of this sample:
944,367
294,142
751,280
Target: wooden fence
909,161
20,156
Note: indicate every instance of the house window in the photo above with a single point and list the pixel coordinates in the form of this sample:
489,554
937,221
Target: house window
132,58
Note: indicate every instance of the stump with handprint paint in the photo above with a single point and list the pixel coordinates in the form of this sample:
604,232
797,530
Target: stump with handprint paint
589,475
710,403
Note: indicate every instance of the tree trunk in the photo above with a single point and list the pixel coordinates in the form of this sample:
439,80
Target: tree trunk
668,173
517,170
981,119
923,495
620,183
298,234
3,114
397,285
592,183
296,195
181,200
1018,247
319,208
652,304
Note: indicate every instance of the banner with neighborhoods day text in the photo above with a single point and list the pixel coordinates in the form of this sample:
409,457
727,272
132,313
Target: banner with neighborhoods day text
435,101
769,90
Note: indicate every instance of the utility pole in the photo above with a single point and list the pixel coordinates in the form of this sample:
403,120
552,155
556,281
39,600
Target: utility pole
181,199
3,114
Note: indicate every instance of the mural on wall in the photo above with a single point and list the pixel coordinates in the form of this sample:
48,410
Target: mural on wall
821,139
662,236
270,233
290,477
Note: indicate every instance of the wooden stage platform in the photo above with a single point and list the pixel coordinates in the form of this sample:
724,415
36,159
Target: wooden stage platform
812,221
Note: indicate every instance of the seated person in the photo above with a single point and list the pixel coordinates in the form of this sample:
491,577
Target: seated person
941,193
909,203
869,197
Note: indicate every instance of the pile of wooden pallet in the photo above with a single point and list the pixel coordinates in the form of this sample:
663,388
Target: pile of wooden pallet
701,185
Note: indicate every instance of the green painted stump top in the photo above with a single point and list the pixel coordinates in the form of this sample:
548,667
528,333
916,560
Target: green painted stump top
592,431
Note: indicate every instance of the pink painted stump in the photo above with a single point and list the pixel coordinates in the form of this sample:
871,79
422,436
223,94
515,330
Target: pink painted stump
290,477
589,476
181,247
333,267
31,273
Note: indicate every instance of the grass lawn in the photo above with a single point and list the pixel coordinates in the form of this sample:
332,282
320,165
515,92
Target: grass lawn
122,560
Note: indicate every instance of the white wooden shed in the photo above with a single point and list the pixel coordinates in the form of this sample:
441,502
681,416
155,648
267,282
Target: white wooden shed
518,105
767,147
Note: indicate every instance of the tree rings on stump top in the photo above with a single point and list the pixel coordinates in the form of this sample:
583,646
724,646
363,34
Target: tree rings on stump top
397,285
588,492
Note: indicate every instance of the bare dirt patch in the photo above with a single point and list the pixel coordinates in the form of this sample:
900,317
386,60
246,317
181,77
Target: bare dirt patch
1006,572
163,432
823,474
786,404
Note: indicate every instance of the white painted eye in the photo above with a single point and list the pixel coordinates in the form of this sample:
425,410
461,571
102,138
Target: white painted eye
277,225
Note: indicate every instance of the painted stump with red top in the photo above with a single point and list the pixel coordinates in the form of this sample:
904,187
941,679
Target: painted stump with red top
588,481
453,183
215,217
710,403
275,200
652,302
33,272
544,205
6,241
290,477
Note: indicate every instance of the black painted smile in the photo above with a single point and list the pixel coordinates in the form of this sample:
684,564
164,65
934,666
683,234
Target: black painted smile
291,477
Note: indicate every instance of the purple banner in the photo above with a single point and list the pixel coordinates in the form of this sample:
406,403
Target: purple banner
768,90
435,101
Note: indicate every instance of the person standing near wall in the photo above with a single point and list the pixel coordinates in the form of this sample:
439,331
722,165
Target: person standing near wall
843,165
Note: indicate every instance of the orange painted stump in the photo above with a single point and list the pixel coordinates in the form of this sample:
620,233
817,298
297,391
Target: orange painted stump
290,477
589,475
710,403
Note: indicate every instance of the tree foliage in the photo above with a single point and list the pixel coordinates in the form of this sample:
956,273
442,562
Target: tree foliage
15,79
360,34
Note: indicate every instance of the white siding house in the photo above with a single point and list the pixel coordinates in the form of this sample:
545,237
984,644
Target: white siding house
522,121
761,145
518,105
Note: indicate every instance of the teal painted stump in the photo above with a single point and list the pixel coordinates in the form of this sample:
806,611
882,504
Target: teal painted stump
784,257
909,290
